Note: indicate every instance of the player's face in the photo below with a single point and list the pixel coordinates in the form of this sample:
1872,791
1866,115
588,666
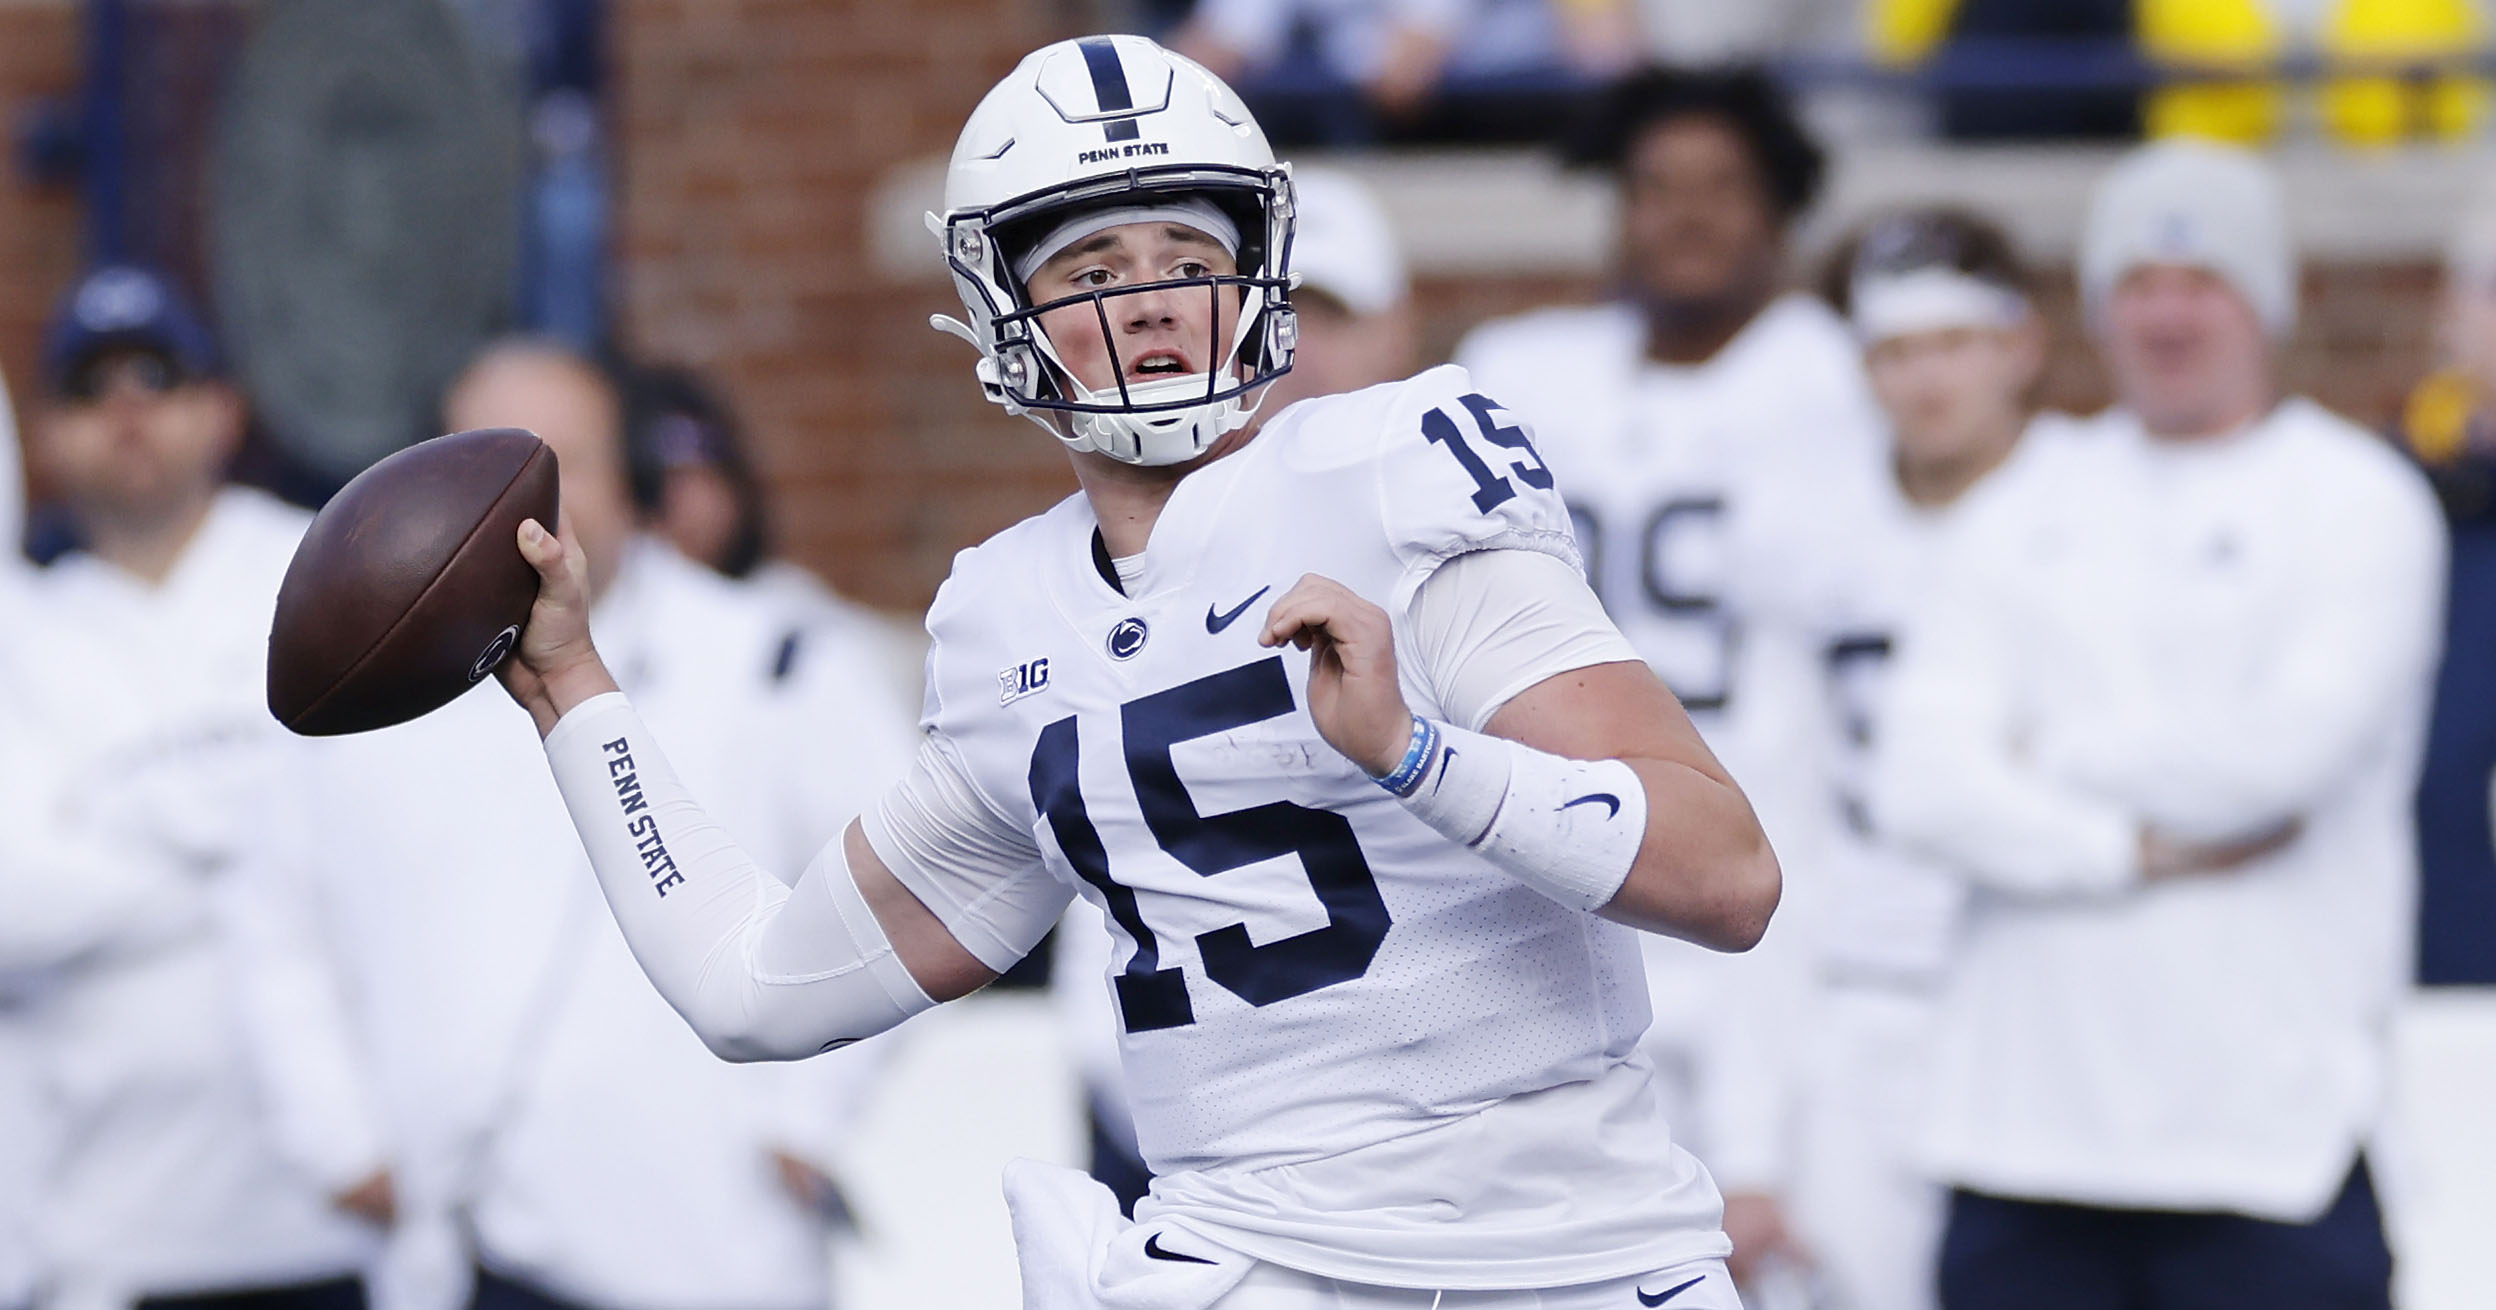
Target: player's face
136,440
1697,222
572,410
2185,350
1154,332
1953,392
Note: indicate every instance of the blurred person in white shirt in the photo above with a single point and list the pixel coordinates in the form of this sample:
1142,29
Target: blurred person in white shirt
141,765
1953,349
1355,309
2163,712
557,1125
22,1129
1697,422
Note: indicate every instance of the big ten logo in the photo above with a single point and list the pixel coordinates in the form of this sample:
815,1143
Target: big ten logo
1022,680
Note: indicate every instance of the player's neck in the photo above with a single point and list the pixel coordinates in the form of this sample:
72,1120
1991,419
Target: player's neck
2210,422
1127,499
1693,331
147,546
1937,483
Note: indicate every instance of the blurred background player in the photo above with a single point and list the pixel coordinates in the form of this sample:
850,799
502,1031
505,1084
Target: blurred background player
1941,302
1356,330
545,1101
1692,421
695,484
2449,427
2163,713
135,666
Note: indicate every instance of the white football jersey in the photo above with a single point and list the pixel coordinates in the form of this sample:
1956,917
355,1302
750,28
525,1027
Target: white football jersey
1354,1048
1888,914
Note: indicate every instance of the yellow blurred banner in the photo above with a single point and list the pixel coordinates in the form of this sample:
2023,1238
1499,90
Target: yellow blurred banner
2213,36
2383,109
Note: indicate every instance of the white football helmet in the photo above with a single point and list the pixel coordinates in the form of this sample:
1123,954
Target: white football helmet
1114,122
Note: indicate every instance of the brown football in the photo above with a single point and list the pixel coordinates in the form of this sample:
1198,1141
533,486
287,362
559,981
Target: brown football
409,588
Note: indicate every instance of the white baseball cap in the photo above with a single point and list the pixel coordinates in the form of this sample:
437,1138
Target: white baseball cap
1344,246
2196,203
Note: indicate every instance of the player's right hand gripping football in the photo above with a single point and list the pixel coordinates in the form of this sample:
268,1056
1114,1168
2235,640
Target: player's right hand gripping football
556,666
1353,693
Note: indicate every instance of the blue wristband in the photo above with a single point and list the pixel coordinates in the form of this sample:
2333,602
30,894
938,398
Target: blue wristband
1406,777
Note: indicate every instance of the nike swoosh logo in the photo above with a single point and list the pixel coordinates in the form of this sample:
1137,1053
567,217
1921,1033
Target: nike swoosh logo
1152,1244
1615,802
1217,622
1646,1297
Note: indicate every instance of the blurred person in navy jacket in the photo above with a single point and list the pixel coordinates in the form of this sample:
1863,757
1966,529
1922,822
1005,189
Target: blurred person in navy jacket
2449,427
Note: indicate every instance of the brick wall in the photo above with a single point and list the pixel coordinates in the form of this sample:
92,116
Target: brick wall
751,133
38,226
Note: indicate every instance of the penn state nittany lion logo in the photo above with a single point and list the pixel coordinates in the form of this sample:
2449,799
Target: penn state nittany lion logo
494,652
1126,639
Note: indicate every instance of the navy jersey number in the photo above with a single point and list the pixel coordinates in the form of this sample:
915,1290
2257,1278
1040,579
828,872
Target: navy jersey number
1671,532
1490,489
1152,996
1855,666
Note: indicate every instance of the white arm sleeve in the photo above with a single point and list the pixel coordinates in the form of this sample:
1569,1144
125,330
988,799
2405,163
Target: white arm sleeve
760,971
1487,625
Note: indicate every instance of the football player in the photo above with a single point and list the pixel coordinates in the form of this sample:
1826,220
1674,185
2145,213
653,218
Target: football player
1698,422
1323,716
1953,350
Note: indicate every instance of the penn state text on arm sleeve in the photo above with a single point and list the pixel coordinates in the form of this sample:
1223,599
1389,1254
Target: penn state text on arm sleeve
1704,872
759,970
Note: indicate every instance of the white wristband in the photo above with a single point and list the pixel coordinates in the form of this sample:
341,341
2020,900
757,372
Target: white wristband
1569,829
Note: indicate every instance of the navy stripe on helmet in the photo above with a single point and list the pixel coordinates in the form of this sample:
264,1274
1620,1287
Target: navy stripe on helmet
1109,84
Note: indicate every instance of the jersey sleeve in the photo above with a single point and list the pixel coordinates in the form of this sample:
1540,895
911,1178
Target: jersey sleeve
959,830
1490,624
1457,472
973,868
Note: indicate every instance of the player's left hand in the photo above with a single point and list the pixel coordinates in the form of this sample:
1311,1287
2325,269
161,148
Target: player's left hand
1353,693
